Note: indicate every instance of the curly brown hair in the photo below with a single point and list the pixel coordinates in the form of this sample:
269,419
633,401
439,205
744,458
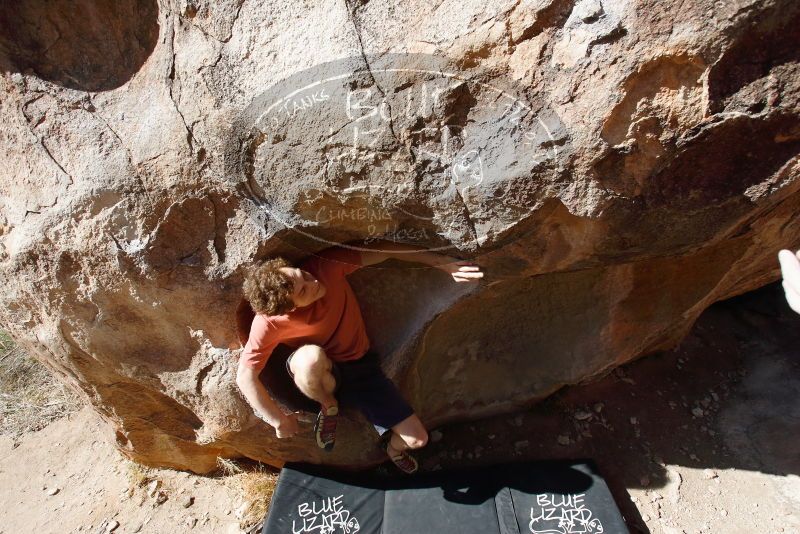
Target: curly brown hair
269,290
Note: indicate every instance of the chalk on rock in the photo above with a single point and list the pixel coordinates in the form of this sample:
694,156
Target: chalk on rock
589,10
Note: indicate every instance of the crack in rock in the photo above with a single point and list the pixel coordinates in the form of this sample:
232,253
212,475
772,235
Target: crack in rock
128,154
469,219
219,234
353,18
43,145
171,77
223,40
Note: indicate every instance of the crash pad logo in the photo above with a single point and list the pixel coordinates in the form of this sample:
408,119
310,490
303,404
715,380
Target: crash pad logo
563,514
400,147
326,516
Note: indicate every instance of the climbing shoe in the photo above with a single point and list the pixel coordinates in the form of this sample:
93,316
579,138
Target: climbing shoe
404,461
325,427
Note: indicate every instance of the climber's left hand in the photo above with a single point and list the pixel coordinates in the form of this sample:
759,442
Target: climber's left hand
462,271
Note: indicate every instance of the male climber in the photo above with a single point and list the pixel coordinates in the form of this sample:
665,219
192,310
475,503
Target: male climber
312,309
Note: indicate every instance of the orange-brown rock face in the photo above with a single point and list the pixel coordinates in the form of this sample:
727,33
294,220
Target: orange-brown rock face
614,166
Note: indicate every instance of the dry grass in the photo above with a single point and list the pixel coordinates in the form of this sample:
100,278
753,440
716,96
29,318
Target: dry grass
253,485
30,396
228,467
137,474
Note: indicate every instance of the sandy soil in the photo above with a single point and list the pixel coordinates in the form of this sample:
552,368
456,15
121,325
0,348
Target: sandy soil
703,439
93,484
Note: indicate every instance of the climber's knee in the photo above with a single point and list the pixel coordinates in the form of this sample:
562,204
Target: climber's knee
412,432
310,367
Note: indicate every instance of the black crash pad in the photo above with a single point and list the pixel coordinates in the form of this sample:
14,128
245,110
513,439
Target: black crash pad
553,497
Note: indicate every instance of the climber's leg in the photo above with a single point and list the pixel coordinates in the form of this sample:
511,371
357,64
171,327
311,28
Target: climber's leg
410,433
312,372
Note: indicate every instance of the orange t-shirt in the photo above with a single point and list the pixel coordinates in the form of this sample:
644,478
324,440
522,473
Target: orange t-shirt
333,321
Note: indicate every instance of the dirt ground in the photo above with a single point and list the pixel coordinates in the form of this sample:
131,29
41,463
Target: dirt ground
94,486
702,439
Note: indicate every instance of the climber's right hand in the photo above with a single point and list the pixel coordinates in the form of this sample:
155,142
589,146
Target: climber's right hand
287,427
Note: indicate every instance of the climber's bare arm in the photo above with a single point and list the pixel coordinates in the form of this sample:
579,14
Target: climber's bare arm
256,394
382,250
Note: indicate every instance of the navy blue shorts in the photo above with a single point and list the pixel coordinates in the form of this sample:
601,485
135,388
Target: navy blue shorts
361,384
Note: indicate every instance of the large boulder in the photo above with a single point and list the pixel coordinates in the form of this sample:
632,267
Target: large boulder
616,166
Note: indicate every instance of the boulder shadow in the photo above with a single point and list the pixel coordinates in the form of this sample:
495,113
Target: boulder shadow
88,45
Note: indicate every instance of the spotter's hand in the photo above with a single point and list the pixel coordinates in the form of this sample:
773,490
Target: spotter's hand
462,271
790,269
